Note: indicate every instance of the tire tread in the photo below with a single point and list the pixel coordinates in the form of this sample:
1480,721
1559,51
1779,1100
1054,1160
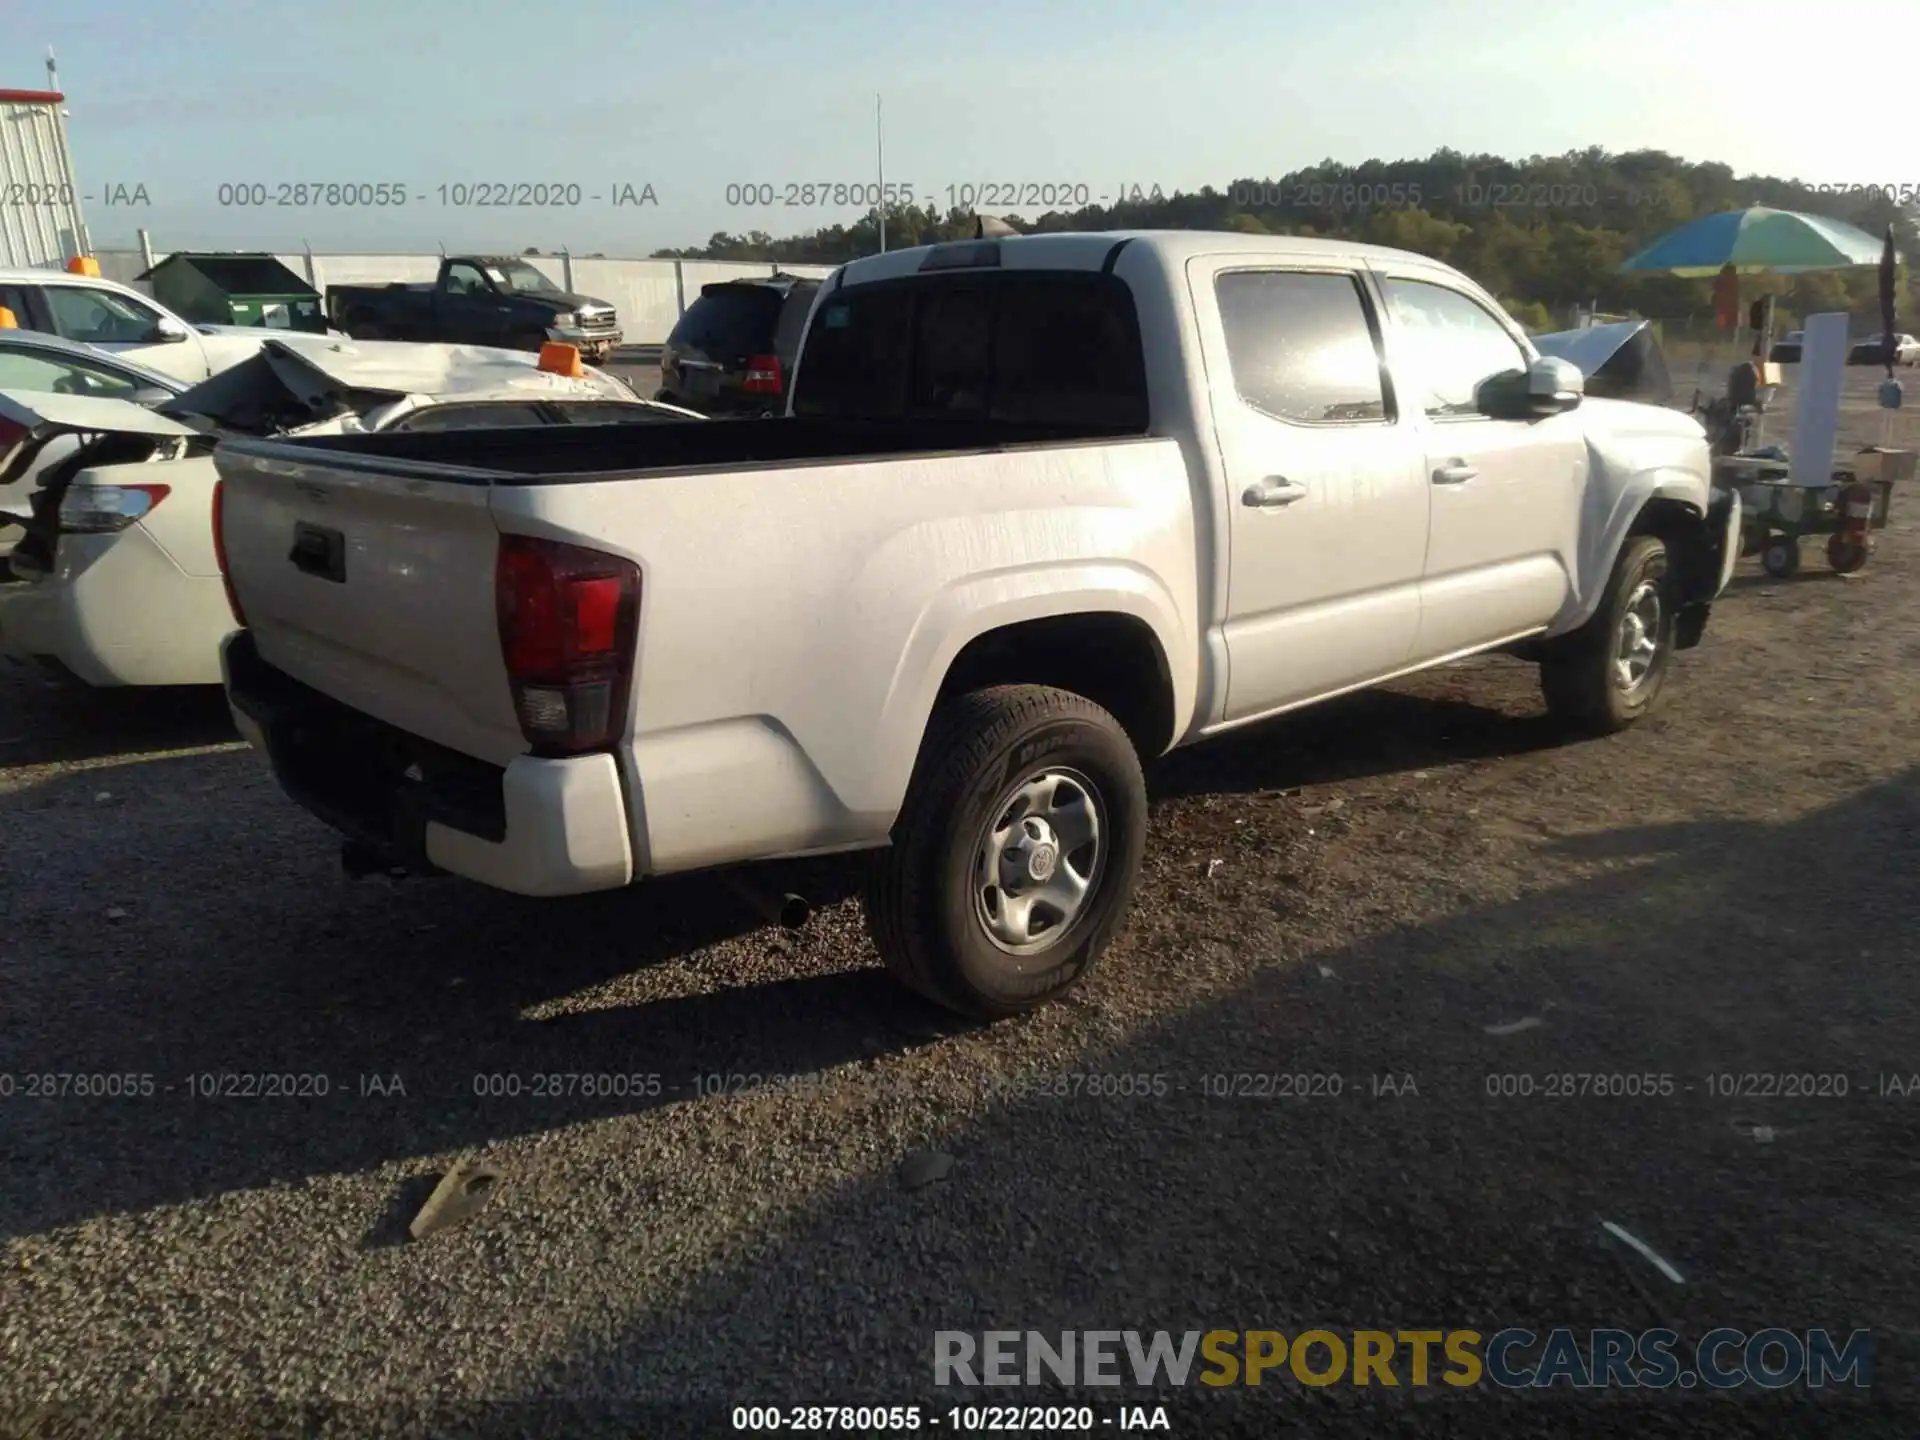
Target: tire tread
963,734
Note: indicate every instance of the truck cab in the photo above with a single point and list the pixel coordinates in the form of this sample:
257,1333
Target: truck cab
500,300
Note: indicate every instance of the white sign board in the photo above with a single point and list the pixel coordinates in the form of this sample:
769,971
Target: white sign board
1816,419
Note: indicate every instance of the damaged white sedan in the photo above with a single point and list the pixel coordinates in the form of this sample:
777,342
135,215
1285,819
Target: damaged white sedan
116,577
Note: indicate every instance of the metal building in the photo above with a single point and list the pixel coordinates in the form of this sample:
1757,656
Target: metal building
40,220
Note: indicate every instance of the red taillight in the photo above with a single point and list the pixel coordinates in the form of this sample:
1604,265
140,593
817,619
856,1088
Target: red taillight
763,375
220,550
11,434
569,625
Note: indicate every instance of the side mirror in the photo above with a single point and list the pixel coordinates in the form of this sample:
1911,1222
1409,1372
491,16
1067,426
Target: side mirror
1554,385
1549,386
169,331
150,395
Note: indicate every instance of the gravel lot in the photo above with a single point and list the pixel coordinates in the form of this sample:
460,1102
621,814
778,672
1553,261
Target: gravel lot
1360,891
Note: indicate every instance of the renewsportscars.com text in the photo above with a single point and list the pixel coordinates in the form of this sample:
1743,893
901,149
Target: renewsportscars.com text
1514,1358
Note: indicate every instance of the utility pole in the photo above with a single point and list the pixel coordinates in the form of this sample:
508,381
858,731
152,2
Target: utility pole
880,168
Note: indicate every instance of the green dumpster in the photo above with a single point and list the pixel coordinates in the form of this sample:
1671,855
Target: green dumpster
234,289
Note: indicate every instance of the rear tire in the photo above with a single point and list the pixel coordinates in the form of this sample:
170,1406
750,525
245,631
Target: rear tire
1607,674
1846,556
1015,853
527,340
361,325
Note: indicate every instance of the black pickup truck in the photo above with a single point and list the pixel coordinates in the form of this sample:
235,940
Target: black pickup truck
478,300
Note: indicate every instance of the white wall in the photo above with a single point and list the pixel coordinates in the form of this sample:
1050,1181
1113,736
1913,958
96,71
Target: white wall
649,294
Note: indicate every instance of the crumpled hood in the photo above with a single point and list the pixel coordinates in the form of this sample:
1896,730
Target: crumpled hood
298,380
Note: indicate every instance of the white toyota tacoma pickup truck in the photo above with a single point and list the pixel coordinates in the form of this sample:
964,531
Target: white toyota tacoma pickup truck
1042,508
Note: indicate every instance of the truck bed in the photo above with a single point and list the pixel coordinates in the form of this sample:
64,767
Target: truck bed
556,455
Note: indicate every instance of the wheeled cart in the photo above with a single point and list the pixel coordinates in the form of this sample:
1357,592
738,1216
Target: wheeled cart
1777,515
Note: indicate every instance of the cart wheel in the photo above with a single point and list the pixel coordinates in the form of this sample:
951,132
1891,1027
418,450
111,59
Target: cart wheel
1846,556
1781,558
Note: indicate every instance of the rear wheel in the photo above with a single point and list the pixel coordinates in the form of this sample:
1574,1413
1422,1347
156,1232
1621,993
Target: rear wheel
1016,851
1846,556
1607,674
363,325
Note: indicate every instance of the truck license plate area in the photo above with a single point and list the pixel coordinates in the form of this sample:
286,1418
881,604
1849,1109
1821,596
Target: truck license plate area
319,551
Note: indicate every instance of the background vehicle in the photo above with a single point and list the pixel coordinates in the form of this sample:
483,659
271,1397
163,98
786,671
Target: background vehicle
1786,350
1042,507
1869,351
734,350
32,361
478,300
121,583
119,319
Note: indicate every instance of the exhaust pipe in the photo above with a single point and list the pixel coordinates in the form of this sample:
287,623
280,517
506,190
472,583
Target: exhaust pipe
788,911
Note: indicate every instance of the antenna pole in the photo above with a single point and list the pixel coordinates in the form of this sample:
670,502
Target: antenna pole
880,169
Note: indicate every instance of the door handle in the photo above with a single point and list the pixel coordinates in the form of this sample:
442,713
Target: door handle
1273,492
1454,472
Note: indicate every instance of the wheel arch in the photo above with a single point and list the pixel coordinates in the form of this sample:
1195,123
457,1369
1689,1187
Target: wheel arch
1111,657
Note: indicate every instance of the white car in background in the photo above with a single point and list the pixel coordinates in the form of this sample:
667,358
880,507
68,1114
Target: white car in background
117,581
46,363
120,320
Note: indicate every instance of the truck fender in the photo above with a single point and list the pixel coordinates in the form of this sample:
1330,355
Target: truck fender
973,605
1612,518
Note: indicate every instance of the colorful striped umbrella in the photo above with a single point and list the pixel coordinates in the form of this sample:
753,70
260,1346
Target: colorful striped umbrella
1758,241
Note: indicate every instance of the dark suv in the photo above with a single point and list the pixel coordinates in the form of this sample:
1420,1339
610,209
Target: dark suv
733,351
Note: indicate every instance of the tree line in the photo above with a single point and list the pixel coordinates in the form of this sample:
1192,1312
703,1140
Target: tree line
1545,233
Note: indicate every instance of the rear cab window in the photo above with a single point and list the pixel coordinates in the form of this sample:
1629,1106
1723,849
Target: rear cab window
1019,346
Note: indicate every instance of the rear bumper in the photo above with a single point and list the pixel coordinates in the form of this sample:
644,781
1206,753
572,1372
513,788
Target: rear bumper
117,610
532,827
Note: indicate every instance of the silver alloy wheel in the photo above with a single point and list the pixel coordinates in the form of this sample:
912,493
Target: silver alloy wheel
1039,859
1637,641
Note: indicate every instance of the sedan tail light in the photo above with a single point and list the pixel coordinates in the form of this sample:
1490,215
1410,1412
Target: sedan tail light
569,626
104,509
763,375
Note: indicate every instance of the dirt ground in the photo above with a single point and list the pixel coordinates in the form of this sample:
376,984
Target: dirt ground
1423,884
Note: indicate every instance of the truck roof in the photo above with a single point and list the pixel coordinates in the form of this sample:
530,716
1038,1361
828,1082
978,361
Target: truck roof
1088,250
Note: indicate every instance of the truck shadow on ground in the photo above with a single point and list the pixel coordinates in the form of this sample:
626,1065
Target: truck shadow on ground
286,969
1360,736
1461,1207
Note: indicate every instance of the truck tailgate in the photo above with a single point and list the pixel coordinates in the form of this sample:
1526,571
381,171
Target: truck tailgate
375,588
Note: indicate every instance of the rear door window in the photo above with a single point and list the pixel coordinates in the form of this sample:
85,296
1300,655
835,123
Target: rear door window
1301,347
1025,347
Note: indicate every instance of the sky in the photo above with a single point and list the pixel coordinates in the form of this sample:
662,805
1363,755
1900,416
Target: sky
598,101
